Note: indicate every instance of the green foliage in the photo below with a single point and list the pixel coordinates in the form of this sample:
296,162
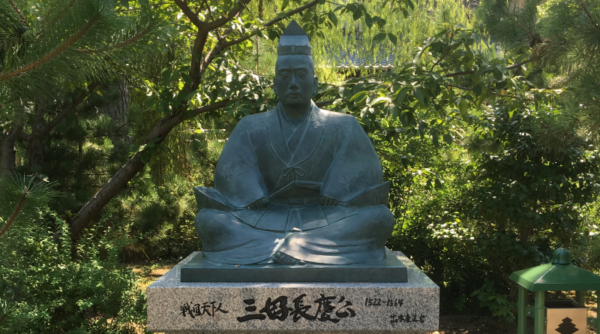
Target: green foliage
158,221
499,305
44,290
561,39
68,43
21,194
529,186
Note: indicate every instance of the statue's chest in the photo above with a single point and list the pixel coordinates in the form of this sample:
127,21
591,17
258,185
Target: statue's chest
310,161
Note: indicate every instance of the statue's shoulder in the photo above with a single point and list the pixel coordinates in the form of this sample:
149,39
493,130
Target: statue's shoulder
337,117
255,120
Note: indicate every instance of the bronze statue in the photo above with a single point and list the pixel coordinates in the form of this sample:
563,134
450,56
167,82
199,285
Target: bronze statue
296,184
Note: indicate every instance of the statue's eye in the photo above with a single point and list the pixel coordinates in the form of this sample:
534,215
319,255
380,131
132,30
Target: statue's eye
284,74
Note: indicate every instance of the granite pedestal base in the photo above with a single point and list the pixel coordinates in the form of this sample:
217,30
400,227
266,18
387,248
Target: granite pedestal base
391,270
176,307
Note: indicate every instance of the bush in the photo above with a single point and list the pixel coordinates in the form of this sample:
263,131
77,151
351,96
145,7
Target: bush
43,289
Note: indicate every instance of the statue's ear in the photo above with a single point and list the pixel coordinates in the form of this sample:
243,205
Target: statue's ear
315,85
275,85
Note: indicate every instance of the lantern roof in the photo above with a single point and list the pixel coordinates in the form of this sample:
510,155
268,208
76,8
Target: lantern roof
560,275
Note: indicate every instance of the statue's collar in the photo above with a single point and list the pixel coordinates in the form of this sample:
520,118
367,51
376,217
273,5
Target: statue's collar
282,114
302,144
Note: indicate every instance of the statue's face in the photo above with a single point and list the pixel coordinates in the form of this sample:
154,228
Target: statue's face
294,83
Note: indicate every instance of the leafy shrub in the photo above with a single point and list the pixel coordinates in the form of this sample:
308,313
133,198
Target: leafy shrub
520,197
44,289
498,304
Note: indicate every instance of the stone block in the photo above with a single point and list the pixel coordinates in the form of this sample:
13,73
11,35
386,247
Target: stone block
179,307
392,270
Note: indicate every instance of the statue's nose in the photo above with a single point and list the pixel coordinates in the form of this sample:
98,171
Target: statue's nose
293,83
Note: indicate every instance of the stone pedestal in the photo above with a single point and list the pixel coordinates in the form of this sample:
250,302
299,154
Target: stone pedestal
176,307
391,270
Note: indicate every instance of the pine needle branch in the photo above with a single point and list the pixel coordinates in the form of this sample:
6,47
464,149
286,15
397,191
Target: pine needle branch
589,15
69,108
52,54
518,23
123,43
14,6
57,16
29,189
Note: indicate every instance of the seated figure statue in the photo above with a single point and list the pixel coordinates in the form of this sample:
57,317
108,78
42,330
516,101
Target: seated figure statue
295,184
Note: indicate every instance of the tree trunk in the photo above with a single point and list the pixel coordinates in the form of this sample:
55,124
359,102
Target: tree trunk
199,64
117,111
8,150
35,145
40,129
95,205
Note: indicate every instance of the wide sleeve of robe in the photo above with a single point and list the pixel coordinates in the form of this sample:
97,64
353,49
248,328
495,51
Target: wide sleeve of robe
356,167
236,175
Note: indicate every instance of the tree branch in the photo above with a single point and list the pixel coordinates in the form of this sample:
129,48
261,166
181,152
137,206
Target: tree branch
210,107
232,13
54,52
7,151
195,69
511,67
493,93
131,83
13,217
55,18
23,136
97,203
14,6
589,15
109,190
52,124
518,23
444,56
123,43
189,13
222,45
292,12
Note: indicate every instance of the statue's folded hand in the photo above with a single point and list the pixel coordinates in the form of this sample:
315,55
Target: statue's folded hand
328,201
284,259
261,203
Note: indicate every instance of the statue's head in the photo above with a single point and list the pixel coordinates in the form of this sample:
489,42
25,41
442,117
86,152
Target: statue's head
295,81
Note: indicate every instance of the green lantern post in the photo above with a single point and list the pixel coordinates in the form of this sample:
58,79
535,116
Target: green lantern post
560,275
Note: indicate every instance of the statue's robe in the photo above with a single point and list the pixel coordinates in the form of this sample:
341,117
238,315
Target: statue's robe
314,193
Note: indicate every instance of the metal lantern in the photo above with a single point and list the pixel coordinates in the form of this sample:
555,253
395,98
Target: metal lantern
564,317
